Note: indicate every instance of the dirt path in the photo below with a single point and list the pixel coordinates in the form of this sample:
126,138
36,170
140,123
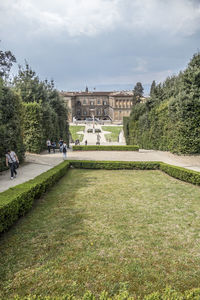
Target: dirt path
36,164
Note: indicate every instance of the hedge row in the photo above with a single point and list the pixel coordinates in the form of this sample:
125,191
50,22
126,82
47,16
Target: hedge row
174,171
16,201
167,294
115,165
106,148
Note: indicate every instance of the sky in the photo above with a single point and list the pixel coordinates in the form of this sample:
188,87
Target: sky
104,44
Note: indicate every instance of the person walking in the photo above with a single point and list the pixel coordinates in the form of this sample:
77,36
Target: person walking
12,161
49,146
61,144
53,145
64,150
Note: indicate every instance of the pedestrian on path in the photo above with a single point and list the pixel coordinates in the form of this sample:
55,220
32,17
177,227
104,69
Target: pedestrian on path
85,142
53,145
49,146
64,150
61,144
13,162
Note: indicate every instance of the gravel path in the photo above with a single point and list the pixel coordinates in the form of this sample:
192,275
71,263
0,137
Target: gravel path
36,164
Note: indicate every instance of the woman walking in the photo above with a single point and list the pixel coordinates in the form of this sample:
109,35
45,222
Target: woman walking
12,161
64,150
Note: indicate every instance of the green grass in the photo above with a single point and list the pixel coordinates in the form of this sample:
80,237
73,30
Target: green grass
98,229
113,136
74,129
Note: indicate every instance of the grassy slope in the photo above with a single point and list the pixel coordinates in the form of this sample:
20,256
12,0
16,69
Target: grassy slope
74,129
113,136
96,229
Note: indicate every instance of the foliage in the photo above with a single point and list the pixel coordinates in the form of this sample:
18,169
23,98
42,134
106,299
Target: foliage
33,131
170,118
53,112
6,61
137,92
105,148
10,123
16,201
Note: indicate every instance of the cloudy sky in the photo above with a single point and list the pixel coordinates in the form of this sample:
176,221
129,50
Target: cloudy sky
105,44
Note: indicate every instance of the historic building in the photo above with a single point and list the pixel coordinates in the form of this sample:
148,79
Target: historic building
102,105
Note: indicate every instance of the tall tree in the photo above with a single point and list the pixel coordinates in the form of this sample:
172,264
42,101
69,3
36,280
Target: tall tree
152,90
138,92
6,61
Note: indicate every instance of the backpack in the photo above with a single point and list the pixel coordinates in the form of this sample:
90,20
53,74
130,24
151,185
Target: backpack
64,149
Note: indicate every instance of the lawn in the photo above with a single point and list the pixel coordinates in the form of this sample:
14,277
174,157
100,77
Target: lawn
74,129
113,136
98,230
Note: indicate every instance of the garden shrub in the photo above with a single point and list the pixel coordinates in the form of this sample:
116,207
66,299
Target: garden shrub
105,148
16,201
115,165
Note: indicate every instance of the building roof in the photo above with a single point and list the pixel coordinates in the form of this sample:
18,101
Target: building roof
112,93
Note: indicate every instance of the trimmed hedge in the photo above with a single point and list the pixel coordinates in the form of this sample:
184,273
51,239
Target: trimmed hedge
106,148
167,294
181,173
115,165
16,201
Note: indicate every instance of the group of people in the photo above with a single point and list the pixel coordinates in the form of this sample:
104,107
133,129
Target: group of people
62,147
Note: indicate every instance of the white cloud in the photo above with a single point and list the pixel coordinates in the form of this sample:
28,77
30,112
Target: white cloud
91,17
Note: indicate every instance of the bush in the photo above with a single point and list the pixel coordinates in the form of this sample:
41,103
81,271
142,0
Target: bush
115,165
181,173
106,148
33,132
16,201
97,130
89,131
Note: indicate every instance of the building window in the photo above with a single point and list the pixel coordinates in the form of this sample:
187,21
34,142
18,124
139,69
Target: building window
84,101
78,112
104,102
98,112
98,101
92,103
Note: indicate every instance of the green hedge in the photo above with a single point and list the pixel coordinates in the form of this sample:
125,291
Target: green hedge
16,201
106,148
115,165
167,294
181,173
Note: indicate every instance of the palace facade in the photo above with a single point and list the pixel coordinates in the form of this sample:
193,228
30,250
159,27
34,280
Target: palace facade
111,106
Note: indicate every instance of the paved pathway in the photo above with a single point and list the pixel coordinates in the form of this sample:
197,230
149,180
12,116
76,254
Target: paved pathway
38,163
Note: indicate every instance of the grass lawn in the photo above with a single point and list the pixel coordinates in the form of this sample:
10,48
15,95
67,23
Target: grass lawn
98,230
113,136
74,129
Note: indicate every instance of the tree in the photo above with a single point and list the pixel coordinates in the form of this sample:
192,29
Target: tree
6,61
152,90
138,92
